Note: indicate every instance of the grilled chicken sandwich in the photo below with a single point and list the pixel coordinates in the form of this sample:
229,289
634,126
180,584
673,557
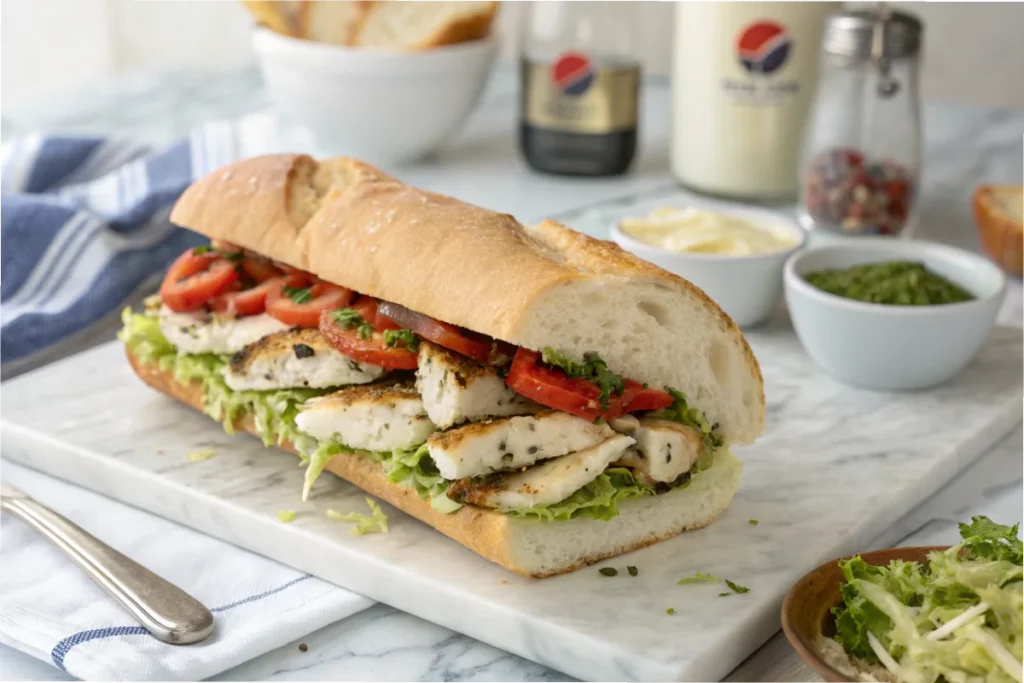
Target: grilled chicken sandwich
539,396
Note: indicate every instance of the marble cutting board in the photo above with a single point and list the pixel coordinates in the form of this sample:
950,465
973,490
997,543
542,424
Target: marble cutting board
834,469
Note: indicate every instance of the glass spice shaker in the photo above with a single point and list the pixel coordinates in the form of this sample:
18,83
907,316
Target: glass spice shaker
861,158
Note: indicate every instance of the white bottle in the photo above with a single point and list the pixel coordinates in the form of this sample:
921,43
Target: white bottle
742,82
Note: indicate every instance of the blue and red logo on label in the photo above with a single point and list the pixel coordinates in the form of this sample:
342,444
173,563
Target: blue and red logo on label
572,73
763,46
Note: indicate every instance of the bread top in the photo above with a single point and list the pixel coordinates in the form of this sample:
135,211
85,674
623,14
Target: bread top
351,224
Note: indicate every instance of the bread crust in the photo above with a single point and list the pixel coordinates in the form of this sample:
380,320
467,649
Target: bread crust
1001,235
349,223
483,531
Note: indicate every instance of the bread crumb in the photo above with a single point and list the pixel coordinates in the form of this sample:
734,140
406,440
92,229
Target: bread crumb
504,581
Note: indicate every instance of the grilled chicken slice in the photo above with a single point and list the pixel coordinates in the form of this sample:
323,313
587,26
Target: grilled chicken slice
384,416
201,332
298,357
457,389
664,449
511,442
548,483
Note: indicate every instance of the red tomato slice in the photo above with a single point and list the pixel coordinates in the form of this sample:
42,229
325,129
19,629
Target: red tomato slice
323,297
250,301
451,337
193,279
260,269
370,350
553,388
649,399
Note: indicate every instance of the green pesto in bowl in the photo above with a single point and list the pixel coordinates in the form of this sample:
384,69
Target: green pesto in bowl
894,283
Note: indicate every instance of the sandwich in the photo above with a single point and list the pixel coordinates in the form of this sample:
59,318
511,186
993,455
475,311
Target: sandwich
539,396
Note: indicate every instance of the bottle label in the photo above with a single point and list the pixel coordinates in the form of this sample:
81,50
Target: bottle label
574,95
763,49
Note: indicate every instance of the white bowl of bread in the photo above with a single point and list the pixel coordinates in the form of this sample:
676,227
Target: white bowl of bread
385,81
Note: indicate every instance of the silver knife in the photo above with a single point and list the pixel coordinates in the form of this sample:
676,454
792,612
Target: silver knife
163,609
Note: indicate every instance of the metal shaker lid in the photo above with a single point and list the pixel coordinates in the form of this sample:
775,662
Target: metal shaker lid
873,34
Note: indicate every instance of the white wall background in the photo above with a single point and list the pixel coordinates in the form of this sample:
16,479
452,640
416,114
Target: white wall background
973,49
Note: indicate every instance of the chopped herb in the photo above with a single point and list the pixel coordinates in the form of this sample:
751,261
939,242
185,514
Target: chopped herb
724,595
895,283
592,369
752,522
202,249
233,256
373,523
736,588
201,455
633,571
608,571
698,578
299,295
670,610
403,336
286,516
350,318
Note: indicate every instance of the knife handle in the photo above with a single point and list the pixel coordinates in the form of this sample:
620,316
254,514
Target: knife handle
166,611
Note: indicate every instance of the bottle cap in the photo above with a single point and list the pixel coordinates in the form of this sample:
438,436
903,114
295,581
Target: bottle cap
879,34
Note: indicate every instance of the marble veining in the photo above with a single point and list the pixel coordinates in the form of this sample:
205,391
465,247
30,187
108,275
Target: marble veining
836,465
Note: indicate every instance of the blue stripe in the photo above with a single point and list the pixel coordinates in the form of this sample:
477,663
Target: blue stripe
58,157
61,649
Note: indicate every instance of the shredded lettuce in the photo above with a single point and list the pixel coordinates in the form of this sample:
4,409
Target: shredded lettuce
957,617
274,414
374,523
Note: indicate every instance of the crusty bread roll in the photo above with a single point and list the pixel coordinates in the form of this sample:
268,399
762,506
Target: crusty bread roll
335,22
527,547
998,212
348,223
287,17
423,25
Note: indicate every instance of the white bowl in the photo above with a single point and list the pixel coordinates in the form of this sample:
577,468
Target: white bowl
383,107
748,288
885,347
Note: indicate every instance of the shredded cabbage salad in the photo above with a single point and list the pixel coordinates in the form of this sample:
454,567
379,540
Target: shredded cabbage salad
274,414
955,619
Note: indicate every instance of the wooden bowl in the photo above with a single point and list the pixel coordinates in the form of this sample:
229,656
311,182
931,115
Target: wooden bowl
807,609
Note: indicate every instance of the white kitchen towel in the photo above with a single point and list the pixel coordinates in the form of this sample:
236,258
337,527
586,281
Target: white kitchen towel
49,608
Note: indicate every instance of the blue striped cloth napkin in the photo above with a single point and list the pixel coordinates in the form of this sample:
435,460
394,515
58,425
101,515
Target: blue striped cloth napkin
85,223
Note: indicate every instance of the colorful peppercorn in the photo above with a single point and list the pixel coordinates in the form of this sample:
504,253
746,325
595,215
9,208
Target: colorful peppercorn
858,197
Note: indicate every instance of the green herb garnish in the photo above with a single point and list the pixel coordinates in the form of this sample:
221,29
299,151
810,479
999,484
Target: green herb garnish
350,318
202,249
633,571
608,571
736,588
698,578
592,369
724,595
286,516
670,610
403,336
896,283
299,295
752,522
201,455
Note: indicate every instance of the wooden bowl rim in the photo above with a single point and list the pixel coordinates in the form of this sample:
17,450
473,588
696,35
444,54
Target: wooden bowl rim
809,651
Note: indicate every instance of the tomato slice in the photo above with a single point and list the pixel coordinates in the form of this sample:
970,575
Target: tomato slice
372,349
195,278
649,399
553,388
244,302
323,296
451,337
260,269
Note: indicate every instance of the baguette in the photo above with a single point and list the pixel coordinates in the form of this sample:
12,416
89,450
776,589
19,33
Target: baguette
998,213
547,286
411,26
527,547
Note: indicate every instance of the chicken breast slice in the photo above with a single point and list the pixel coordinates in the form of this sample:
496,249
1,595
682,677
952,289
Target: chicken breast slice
385,416
457,389
511,442
201,332
298,357
664,449
548,483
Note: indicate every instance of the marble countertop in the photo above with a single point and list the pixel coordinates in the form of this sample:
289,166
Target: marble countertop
963,147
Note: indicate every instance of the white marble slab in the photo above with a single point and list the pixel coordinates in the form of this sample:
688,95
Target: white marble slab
835,468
